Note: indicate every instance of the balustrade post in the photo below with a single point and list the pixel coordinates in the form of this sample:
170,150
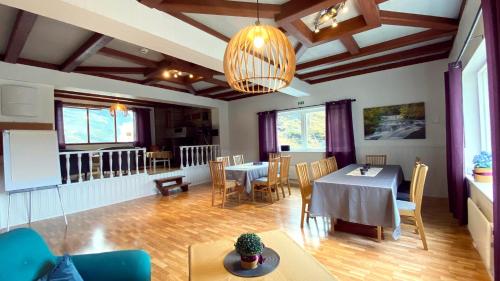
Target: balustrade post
120,163
128,162
68,175
90,166
110,153
79,167
144,159
182,156
192,156
137,161
100,165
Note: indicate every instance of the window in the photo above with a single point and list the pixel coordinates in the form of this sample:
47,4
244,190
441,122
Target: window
96,125
484,108
303,129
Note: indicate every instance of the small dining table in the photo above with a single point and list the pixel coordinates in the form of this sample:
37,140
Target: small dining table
368,198
244,174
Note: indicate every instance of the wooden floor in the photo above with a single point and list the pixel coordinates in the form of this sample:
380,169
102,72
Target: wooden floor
165,227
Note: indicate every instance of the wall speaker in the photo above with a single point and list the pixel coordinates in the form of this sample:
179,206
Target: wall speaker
19,101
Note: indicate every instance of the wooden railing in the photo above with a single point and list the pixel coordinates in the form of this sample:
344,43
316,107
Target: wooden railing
198,155
78,166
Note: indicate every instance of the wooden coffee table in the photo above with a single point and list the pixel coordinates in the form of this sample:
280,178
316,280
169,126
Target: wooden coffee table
206,261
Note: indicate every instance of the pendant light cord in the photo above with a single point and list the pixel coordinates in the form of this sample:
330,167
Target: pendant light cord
258,16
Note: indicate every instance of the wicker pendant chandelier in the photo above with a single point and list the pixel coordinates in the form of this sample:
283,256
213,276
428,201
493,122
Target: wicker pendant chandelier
114,108
259,59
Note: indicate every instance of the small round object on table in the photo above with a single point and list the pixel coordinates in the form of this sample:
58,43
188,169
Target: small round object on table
271,261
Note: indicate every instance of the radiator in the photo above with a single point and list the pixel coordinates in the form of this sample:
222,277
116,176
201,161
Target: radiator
481,231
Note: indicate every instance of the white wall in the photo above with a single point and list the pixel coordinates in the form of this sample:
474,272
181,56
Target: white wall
417,83
45,101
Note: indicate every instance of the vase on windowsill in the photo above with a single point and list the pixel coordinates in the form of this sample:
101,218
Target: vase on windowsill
483,167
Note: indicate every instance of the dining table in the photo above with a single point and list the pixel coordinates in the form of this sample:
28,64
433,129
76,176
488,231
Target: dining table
245,173
367,198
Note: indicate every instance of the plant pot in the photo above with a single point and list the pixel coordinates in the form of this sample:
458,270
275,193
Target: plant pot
249,262
483,174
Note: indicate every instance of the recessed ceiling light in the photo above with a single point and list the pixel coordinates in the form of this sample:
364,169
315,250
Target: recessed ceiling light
144,51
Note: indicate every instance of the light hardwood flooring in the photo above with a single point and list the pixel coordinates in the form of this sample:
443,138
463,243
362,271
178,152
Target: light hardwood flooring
166,226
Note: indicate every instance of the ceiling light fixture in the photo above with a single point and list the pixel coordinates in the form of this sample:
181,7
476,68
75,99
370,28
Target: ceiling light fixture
191,76
166,74
329,14
259,59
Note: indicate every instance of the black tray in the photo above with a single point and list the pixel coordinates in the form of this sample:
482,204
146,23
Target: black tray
271,261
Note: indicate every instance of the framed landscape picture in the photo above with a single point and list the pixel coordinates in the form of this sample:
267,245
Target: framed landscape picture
404,121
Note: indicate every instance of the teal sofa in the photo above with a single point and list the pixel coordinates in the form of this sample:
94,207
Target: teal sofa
24,256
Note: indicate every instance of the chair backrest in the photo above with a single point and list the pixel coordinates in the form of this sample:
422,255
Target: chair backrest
284,166
218,174
238,159
224,159
272,172
378,160
419,187
24,255
332,164
413,181
323,166
273,155
316,170
304,181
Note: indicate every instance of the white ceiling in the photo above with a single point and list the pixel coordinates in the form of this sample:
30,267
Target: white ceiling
105,61
53,42
134,50
227,25
384,33
438,8
317,52
200,85
7,18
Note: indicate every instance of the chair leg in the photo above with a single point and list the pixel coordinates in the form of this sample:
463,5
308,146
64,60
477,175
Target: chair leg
379,233
302,214
420,226
288,185
253,193
270,192
213,196
276,188
332,225
223,197
282,189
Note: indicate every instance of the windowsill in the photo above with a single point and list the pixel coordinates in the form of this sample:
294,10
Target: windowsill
485,188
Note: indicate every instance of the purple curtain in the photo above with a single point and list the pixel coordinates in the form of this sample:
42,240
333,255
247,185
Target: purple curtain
491,18
59,124
457,189
339,132
143,127
268,141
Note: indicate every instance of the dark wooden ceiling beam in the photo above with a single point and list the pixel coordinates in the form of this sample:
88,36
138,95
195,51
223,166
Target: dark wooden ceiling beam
296,9
370,12
381,67
200,26
112,53
345,28
19,35
111,70
243,96
211,90
225,95
300,31
189,87
350,44
215,7
414,20
412,53
167,87
95,43
380,47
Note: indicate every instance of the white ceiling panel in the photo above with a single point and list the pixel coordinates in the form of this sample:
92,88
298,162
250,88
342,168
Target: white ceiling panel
438,8
323,50
351,12
384,33
131,76
134,50
7,19
53,41
227,25
170,84
200,85
101,60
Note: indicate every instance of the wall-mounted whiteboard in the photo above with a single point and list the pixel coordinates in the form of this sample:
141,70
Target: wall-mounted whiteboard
31,159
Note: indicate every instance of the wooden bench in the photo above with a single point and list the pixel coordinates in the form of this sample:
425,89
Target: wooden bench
177,182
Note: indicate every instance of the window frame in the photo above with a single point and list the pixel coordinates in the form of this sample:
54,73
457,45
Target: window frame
87,109
304,128
484,110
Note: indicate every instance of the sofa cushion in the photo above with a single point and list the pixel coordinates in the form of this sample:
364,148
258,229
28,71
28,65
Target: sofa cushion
64,270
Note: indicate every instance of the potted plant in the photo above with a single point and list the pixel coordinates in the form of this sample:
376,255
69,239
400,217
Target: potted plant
249,247
482,167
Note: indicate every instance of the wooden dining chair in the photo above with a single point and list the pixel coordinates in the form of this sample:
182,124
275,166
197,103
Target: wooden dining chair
224,159
219,182
283,174
316,170
412,210
405,190
305,191
377,160
267,185
332,164
238,159
323,167
273,155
